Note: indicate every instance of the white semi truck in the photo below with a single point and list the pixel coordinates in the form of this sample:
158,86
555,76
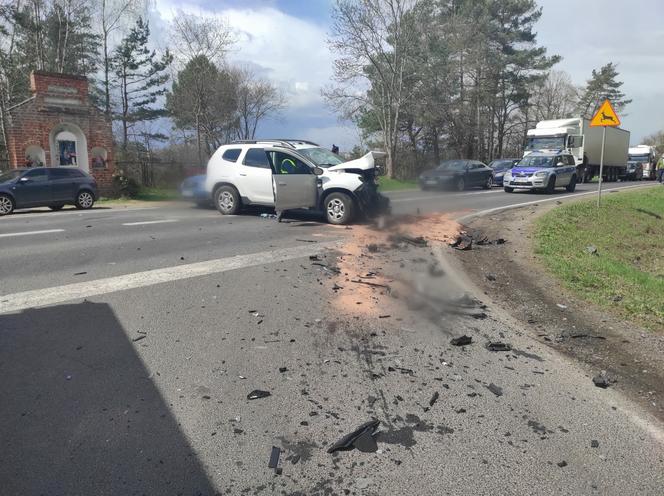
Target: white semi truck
575,136
645,155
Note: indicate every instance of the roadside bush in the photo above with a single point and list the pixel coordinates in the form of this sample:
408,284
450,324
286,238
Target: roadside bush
124,186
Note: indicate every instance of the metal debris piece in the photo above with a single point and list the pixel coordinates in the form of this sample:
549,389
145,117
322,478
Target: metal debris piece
461,341
258,394
359,435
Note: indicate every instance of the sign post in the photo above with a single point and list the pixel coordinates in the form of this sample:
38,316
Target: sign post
604,117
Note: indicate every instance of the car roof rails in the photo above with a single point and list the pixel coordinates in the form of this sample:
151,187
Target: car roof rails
255,142
290,143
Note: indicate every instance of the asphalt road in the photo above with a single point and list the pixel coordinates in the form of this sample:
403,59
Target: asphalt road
129,340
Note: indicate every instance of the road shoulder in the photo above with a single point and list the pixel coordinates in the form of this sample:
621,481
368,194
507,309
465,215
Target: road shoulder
513,278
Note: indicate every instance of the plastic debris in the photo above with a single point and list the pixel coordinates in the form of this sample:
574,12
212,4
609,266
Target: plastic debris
258,394
274,459
434,398
497,390
461,341
361,438
499,346
601,380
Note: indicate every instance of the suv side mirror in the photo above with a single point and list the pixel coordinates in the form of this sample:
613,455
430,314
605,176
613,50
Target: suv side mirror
560,164
318,171
24,180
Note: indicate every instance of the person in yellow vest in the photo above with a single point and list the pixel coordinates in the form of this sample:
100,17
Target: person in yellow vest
660,169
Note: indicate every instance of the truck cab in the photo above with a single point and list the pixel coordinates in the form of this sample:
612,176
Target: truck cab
645,155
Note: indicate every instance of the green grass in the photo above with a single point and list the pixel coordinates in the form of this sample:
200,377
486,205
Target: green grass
387,184
627,274
157,194
147,194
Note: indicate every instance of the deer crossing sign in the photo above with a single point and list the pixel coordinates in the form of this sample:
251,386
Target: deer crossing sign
605,116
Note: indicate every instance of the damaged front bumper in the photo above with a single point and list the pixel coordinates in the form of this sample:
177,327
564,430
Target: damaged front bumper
371,202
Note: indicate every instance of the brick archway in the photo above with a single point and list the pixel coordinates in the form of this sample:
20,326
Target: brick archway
81,145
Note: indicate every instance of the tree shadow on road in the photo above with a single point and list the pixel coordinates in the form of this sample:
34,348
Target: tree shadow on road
79,413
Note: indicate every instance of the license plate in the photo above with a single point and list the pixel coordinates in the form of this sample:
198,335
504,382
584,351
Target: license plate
187,192
521,180
432,181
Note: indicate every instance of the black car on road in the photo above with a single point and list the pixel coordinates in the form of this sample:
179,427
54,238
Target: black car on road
52,187
457,174
500,166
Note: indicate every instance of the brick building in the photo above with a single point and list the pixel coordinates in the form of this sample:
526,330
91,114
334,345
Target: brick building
58,126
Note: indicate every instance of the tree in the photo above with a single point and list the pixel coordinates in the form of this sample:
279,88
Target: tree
257,99
55,36
203,99
371,39
112,14
140,76
196,36
602,84
555,97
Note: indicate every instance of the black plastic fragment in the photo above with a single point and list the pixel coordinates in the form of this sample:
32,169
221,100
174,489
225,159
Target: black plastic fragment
601,381
274,457
434,398
497,390
594,443
461,341
257,394
499,346
348,441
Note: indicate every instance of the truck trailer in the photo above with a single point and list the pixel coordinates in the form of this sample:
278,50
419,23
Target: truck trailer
575,136
645,155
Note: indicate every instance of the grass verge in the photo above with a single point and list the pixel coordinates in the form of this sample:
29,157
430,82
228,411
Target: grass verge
147,195
626,274
387,184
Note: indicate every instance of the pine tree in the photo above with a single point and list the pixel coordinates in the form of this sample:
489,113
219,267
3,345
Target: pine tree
140,76
602,85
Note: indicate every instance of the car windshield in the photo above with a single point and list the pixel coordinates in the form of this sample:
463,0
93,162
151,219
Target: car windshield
452,165
500,165
9,175
545,143
537,161
321,156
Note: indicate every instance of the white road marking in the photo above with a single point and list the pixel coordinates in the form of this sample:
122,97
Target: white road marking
553,198
30,233
59,294
71,213
146,222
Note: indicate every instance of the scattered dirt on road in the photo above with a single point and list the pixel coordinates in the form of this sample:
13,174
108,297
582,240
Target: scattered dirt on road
514,279
371,255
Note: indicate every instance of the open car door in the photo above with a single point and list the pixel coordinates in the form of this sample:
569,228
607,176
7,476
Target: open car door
294,182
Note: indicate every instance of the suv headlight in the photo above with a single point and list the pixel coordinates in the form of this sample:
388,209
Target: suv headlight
508,174
541,174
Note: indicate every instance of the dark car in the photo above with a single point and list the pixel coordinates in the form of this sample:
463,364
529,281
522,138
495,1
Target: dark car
633,172
193,189
500,166
457,174
52,187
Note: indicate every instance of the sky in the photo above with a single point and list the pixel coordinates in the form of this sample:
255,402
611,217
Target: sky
285,41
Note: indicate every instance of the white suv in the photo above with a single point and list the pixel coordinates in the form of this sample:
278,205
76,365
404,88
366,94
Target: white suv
290,174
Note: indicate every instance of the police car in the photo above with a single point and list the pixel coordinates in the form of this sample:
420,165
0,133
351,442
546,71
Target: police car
543,171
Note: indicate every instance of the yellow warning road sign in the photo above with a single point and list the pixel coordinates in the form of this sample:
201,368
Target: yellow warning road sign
605,116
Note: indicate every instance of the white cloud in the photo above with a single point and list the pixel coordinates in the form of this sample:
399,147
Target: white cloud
291,52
